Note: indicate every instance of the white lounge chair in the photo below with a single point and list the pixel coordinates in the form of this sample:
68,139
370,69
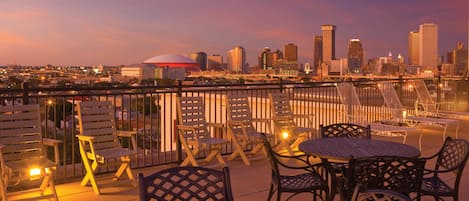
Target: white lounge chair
355,114
394,103
430,107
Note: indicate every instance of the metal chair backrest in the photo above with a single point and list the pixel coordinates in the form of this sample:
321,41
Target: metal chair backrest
391,98
453,157
400,174
347,130
191,112
424,97
186,183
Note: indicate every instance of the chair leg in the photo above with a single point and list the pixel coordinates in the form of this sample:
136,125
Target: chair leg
3,189
90,175
190,159
239,151
271,192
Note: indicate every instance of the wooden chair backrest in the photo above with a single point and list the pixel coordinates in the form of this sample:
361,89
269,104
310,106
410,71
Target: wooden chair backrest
191,112
239,110
96,119
20,133
280,105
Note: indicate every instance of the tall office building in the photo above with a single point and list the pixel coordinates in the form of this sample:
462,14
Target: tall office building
214,61
458,58
266,60
428,50
236,59
290,52
328,42
201,58
414,48
355,56
317,50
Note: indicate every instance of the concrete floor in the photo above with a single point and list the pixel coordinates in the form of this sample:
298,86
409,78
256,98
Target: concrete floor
248,183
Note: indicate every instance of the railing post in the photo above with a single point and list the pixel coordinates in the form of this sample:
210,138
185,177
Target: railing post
178,142
438,87
25,93
281,85
401,85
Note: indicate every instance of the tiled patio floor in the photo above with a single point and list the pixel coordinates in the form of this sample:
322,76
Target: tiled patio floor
249,183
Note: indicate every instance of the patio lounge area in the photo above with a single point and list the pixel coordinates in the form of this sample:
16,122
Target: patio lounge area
248,182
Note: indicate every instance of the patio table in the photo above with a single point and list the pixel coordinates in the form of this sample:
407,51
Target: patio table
347,148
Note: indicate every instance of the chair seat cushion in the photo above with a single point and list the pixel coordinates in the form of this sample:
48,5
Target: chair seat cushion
433,185
301,182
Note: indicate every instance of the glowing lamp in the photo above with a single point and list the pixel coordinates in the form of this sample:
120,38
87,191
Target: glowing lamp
34,173
285,135
404,114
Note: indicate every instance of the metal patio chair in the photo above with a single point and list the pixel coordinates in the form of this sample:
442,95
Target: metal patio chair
347,130
399,174
186,183
194,133
285,123
22,149
241,127
308,177
99,143
361,194
451,159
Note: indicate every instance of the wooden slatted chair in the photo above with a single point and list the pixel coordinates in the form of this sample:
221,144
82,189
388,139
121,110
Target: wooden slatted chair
22,149
241,129
194,134
99,143
285,126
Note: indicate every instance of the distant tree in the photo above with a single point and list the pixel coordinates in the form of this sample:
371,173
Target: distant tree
145,105
58,110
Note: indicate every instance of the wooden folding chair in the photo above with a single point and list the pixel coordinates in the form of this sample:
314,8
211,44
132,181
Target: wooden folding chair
285,125
22,154
241,129
194,133
98,141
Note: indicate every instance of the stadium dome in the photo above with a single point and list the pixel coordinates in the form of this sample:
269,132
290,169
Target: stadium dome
174,61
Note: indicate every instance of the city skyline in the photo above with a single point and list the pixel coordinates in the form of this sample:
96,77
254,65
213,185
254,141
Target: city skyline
123,32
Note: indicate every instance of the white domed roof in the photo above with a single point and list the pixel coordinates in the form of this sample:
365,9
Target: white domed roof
169,58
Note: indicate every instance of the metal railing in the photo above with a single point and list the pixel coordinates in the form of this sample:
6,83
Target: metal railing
151,110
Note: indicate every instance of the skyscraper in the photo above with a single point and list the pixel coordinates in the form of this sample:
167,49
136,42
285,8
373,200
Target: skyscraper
355,55
201,58
328,42
317,49
266,60
214,61
459,59
428,46
290,52
236,59
414,48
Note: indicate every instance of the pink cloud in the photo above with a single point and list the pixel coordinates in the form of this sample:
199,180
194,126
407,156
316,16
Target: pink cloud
11,39
21,14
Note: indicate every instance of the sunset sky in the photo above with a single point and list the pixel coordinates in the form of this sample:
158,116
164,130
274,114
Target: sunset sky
113,32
